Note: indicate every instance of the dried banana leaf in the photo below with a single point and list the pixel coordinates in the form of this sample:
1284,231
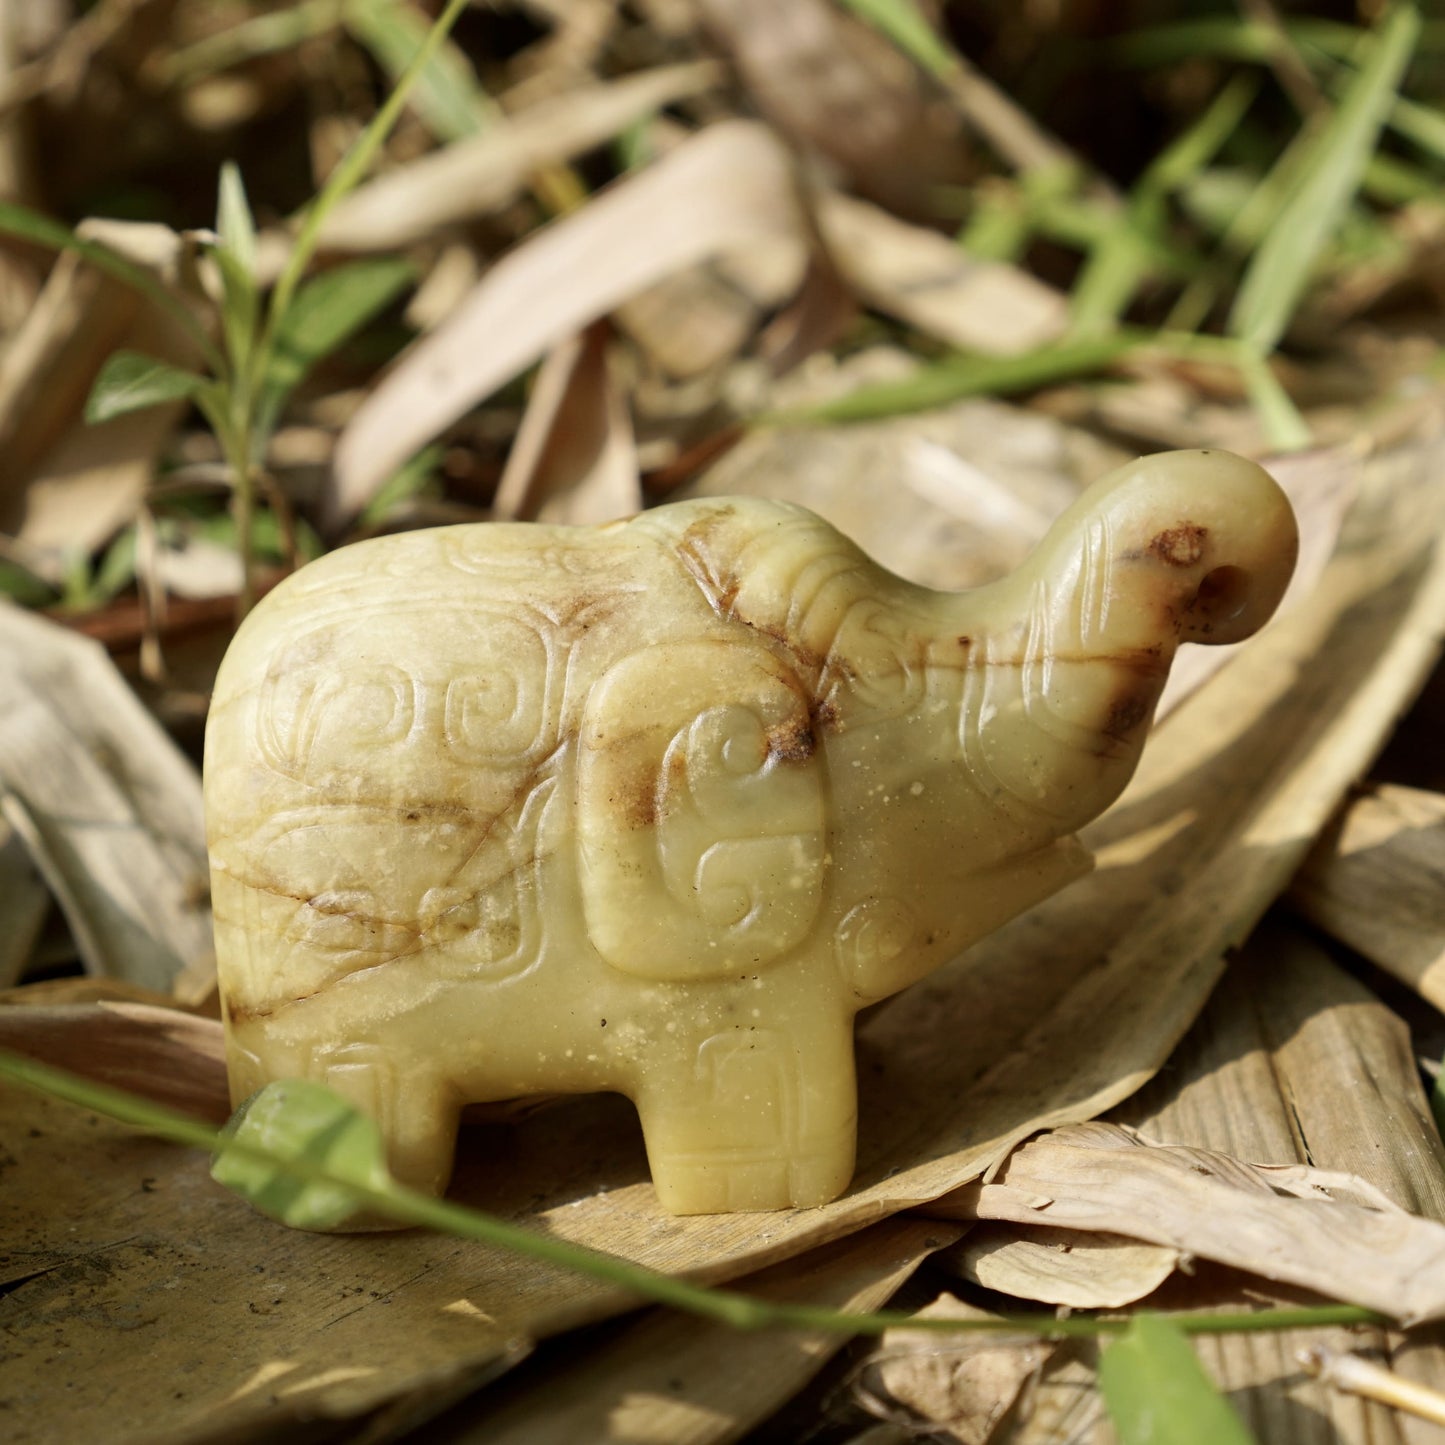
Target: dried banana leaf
1291,1061
1376,881
108,808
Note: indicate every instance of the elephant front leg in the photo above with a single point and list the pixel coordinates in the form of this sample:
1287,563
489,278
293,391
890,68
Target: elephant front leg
754,1119
416,1113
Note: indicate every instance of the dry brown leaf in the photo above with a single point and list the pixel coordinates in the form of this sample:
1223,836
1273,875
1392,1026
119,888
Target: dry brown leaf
963,1386
1104,1179
726,187
107,806
952,1073
1292,1059
838,88
69,486
161,1053
673,1381
1376,881
1296,1062
480,174
574,459
1063,1267
695,322
925,279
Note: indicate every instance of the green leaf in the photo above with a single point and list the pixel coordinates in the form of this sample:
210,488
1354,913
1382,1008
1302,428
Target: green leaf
325,312
302,1121
448,97
131,382
1157,1392
1331,174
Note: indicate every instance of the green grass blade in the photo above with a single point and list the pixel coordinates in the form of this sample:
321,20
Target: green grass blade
904,24
964,377
1135,249
1280,269
1284,428
131,382
1180,161
354,165
277,30
448,97
1423,124
1157,1393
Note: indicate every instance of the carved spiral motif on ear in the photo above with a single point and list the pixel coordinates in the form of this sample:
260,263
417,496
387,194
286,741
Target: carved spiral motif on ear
699,812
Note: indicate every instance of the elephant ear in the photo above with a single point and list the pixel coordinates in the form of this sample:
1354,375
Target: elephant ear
700,812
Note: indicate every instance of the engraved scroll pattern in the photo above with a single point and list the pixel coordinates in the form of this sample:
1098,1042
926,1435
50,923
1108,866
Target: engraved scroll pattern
481,689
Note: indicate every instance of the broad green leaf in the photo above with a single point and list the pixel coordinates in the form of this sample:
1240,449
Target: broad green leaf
1281,268
963,377
303,1121
1157,1392
131,382
325,312
448,97
1437,1100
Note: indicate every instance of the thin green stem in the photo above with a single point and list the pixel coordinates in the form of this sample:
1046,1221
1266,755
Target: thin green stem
725,1306
352,166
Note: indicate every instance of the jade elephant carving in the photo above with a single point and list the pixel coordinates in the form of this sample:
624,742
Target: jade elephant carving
657,807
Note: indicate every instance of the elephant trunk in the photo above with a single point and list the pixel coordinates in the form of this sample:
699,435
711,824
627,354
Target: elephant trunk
1178,547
